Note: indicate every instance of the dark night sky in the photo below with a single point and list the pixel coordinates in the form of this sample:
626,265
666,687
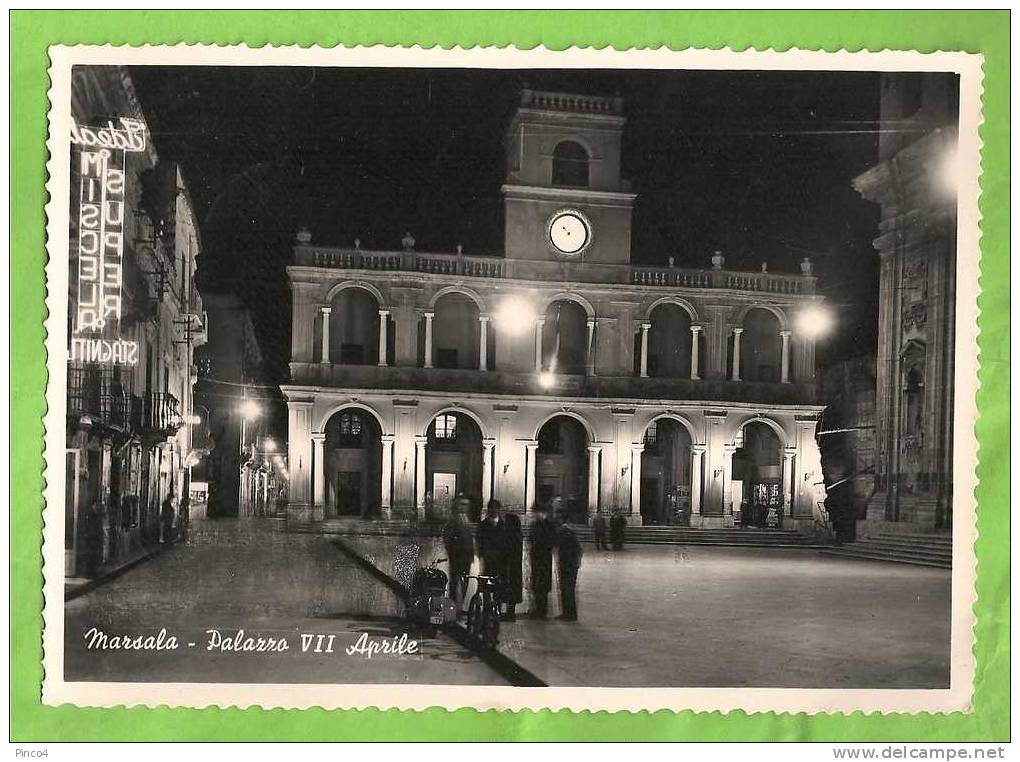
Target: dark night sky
757,164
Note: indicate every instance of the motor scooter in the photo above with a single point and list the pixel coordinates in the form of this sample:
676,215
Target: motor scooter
429,606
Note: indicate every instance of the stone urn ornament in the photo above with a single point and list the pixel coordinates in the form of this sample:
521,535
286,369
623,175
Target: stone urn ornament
304,235
407,241
718,260
807,267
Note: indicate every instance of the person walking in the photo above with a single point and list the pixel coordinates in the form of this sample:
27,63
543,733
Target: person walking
513,558
460,551
185,516
543,542
166,514
570,553
617,530
599,525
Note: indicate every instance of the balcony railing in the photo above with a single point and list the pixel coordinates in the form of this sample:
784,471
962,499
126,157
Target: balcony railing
510,383
160,412
498,267
102,395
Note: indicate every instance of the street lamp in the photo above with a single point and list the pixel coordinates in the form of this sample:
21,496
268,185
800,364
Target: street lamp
814,321
250,410
546,379
515,315
269,445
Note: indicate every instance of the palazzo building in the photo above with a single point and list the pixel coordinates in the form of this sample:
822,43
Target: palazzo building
671,395
917,303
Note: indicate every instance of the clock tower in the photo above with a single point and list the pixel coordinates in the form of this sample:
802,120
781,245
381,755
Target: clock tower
563,196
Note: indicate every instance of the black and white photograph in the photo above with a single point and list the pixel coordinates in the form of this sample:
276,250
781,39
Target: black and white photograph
563,373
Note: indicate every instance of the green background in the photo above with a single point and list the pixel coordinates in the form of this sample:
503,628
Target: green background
984,32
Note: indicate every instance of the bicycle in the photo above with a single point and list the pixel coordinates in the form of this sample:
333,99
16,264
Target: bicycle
483,610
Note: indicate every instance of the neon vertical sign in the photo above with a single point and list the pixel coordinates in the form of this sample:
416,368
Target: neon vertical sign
102,160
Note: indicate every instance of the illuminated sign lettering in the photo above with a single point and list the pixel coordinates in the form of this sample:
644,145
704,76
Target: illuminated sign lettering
102,162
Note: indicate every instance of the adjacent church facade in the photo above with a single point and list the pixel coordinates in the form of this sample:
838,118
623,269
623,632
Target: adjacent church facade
560,369
917,304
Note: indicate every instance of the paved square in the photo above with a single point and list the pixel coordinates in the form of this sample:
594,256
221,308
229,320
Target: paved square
723,617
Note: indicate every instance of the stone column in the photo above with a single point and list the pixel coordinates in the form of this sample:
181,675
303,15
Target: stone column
299,456
383,325
697,452
539,327
589,363
695,337
483,342
785,335
727,475
325,334
403,454
788,455
644,348
488,446
428,338
594,454
529,480
319,481
419,475
386,492
635,479
736,353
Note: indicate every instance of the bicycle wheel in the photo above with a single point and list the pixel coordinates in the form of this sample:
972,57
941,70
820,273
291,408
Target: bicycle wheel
490,625
474,617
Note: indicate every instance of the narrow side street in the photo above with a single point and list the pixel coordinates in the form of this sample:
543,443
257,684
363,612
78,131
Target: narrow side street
233,574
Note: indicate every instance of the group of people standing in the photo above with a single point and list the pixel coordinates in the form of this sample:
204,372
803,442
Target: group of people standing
500,544
617,526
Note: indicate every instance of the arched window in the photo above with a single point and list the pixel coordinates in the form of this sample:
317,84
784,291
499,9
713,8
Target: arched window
570,165
350,429
446,427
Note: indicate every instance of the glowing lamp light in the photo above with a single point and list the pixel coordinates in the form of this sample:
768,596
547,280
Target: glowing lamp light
250,409
269,445
546,379
193,419
515,315
950,171
814,321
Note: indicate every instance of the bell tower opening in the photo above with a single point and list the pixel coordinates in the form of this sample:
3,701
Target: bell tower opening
563,166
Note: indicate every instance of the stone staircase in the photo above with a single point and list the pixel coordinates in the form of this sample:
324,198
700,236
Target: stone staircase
923,549
736,537
645,535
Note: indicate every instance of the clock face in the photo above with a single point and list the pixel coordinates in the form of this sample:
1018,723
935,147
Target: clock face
569,232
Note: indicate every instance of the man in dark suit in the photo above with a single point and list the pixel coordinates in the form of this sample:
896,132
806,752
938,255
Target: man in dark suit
543,541
570,553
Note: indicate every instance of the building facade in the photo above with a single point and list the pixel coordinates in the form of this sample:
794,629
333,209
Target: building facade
134,320
913,183
670,395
